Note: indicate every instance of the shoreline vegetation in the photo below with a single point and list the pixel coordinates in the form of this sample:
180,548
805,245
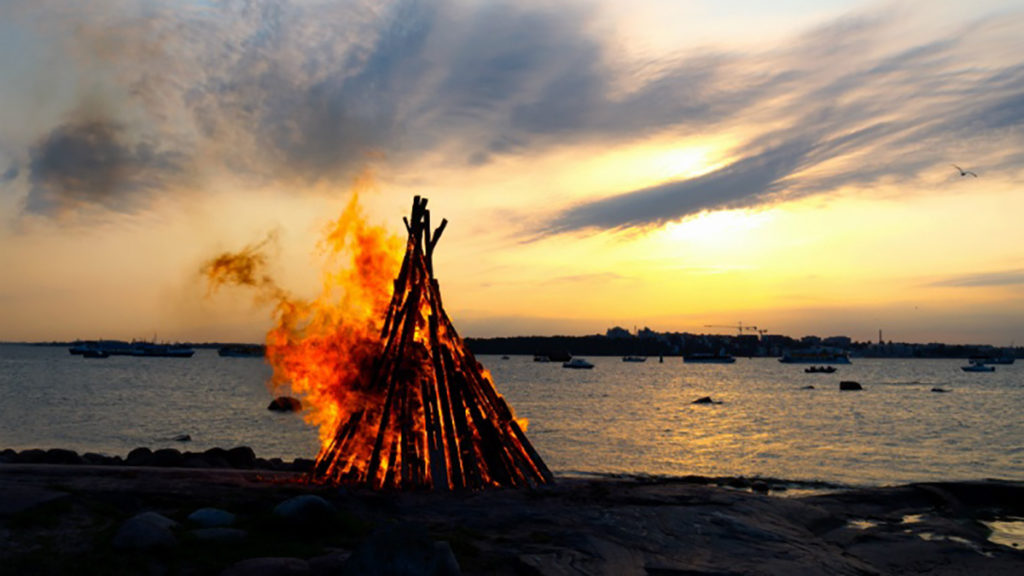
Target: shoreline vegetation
233,513
619,342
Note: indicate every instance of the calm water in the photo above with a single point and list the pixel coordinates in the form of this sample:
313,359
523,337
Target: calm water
619,417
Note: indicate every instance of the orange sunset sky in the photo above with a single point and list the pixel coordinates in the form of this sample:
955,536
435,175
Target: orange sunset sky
654,163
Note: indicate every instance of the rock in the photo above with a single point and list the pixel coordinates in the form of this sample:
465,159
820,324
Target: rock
241,457
808,387
97,459
850,385
706,400
167,458
182,438
937,389
212,518
215,458
219,534
306,511
302,465
32,456
146,531
285,404
759,487
139,457
404,549
268,567
62,456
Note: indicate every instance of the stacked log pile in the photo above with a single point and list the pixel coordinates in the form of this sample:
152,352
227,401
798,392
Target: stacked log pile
435,419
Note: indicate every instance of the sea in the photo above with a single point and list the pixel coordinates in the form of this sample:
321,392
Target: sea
914,420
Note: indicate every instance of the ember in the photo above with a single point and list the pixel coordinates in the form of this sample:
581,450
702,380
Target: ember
429,415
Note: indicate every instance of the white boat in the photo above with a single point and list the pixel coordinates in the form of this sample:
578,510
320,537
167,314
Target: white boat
577,363
977,366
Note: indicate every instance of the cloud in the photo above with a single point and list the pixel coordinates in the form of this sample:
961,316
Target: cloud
10,174
95,162
841,115
307,91
984,279
744,182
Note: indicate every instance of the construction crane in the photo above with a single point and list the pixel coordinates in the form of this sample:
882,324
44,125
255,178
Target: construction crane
738,326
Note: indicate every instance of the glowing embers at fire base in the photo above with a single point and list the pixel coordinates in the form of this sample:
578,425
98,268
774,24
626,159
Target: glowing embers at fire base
430,416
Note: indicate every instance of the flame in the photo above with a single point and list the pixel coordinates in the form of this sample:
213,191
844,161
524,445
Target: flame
399,400
323,349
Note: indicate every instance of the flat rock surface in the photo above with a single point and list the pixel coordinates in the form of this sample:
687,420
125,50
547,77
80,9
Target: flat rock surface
619,526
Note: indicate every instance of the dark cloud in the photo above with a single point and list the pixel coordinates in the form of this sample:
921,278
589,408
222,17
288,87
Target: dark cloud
306,90
95,163
1002,278
742,183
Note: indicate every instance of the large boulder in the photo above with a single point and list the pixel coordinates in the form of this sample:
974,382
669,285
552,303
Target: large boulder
167,457
62,456
146,531
241,457
141,456
212,518
306,511
285,404
850,385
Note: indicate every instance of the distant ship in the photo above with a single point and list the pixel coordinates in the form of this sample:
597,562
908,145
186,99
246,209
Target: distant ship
720,357
634,358
105,348
242,350
815,356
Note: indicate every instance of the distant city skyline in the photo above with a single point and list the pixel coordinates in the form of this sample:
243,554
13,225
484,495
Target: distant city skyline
797,166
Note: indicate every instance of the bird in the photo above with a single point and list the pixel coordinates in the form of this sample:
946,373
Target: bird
964,172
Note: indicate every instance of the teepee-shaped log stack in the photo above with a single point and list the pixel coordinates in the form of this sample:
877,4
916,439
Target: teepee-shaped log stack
433,418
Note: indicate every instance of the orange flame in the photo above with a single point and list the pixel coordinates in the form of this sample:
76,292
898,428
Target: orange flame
323,349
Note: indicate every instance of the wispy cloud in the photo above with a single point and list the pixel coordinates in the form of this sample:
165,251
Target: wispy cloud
984,279
843,115
303,91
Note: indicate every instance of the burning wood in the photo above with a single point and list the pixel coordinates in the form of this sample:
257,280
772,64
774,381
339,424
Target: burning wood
431,417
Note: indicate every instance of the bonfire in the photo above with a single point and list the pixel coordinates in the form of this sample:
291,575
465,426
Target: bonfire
430,416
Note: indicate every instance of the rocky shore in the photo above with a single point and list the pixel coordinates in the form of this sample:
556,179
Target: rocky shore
227,512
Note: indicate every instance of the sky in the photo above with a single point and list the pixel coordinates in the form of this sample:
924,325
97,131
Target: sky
682,166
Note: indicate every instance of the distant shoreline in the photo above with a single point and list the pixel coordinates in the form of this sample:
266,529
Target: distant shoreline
670,345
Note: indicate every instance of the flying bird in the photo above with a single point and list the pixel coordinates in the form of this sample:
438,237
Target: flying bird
964,172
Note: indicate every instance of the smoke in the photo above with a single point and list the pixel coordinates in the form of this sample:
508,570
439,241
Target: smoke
247,267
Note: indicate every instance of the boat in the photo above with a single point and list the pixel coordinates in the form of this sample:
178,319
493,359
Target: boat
720,357
978,367
634,358
149,349
820,369
815,356
242,350
105,348
541,358
578,363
